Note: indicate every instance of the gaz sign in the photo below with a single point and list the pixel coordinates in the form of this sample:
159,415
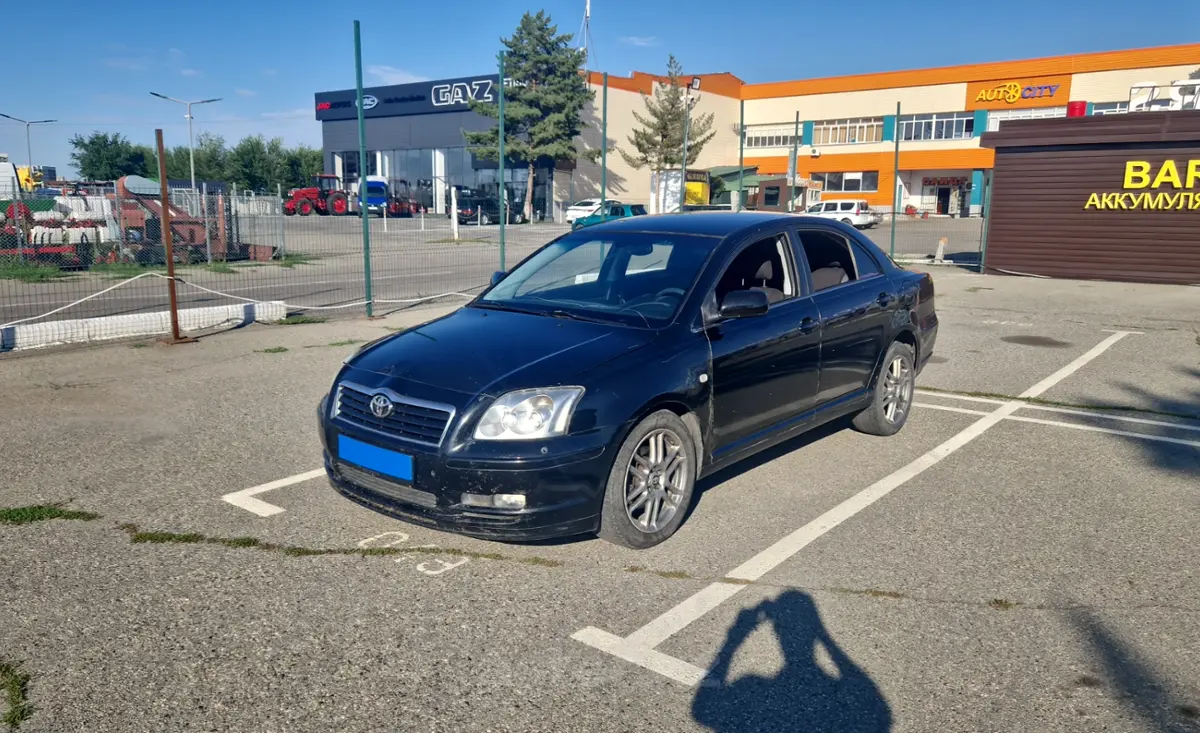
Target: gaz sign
444,95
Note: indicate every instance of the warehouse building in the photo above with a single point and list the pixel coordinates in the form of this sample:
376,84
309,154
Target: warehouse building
847,127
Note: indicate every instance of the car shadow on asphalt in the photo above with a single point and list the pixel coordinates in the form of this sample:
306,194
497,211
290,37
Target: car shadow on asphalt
712,481
819,688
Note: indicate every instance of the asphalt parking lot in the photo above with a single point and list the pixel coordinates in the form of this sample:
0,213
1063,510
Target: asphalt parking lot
1022,556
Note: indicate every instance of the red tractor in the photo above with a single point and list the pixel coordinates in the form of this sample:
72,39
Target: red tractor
325,196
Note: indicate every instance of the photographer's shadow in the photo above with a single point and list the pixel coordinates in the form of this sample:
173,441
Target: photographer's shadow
804,697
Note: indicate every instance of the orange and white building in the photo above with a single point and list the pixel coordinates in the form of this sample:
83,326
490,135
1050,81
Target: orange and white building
849,125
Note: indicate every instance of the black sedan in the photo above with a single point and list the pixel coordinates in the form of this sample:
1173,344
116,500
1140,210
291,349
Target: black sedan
589,388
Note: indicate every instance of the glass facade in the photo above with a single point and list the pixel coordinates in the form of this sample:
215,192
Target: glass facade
431,172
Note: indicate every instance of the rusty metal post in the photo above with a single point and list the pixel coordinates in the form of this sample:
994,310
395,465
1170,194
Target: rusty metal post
168,246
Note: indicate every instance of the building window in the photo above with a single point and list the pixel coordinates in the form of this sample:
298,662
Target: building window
778,135
1110,108
941,126
998,116
848,132
349,166
861,181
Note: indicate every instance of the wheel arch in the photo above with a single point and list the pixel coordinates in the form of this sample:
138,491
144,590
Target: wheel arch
906,335
680,406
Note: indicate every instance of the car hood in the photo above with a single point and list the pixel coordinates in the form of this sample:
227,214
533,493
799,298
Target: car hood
480,351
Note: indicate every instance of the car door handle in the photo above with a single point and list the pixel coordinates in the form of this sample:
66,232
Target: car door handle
808,325
884,299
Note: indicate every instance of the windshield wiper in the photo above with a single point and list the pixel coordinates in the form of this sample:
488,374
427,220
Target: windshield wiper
492,305
560,313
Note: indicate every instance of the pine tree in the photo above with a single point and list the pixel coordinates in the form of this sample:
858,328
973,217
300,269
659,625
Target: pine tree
659,143
543,103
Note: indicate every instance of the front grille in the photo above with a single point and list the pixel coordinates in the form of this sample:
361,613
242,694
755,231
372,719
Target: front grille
385,487
413,420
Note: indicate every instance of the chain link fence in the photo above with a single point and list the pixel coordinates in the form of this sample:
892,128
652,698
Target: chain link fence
91,265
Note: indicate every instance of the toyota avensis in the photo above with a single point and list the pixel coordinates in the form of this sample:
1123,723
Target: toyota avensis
589,388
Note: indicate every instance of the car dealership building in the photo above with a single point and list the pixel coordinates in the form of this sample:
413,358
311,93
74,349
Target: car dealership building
848,127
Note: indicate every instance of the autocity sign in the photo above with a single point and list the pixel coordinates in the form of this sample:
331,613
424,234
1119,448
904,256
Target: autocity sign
427,97
1019,93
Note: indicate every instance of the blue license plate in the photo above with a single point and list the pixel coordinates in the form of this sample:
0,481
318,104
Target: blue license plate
374,458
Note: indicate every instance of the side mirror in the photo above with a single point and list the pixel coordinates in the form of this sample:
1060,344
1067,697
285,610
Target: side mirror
744,304
498,276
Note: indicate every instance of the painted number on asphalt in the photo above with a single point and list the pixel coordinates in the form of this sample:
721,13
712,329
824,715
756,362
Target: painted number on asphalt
434,566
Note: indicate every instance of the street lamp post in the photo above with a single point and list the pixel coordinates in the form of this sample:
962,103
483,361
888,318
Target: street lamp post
191,145
28,144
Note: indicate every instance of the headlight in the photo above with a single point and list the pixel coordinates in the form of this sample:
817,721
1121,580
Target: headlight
529,414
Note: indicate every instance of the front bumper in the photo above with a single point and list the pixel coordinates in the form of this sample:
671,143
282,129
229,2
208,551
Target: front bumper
563,487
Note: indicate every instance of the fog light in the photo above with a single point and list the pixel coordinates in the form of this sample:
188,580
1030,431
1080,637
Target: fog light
495,501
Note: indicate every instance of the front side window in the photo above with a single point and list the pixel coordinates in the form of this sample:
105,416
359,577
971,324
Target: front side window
632,278
764,265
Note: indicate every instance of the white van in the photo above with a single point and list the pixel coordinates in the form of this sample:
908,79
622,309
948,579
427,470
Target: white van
587,207
856,213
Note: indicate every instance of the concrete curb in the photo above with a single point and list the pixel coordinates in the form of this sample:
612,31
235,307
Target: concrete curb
85,330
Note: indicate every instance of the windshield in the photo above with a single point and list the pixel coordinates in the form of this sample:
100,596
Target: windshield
633,278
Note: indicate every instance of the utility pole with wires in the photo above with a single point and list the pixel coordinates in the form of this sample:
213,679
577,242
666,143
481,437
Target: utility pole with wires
191,144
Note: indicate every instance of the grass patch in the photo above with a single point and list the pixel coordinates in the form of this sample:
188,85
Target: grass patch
291,259
223,268
672,574
139,536
299,320
273,350
736,581
30,273
15,684
1087,680
977,288
344,342
139,345
634,568
124,270
460,240
1002,605
43,513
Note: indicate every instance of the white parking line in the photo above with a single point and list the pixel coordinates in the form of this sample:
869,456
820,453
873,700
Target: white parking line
1109,431
245,498
638,647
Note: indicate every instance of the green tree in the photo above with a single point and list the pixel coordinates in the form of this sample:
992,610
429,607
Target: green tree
106,157
300,165
716,187
658,145
249,165
543,102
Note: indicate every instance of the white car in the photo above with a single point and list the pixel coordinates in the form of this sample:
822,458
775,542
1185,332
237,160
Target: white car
587,207
856,213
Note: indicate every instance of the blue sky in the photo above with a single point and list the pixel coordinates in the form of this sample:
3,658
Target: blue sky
94,70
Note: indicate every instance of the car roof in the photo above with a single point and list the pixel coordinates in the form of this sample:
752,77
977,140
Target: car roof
705,223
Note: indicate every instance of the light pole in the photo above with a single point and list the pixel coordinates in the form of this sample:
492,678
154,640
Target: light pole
191,146
28,144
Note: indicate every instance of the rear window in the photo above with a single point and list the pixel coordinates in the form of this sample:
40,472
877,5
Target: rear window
638,210
588,202
848,206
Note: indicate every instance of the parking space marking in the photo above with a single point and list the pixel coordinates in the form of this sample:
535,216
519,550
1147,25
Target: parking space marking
245,498
1120,418
947,408
967,398
1109,431
638,647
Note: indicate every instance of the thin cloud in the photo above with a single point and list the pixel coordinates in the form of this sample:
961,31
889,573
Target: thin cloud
175,53
189,72
127,63
392,75
288,114
269,72
245,92
640,41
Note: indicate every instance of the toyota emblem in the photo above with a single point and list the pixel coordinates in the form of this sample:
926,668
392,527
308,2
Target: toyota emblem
381,406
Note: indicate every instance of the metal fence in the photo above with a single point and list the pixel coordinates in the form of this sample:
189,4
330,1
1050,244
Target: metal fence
92,266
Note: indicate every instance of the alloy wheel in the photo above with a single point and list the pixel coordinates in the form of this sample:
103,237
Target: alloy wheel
656,480
897,389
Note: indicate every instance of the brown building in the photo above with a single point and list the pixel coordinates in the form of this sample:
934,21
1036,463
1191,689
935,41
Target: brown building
1103,197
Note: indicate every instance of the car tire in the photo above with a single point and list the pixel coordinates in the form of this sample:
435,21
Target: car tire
636,527
847,222
892,399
